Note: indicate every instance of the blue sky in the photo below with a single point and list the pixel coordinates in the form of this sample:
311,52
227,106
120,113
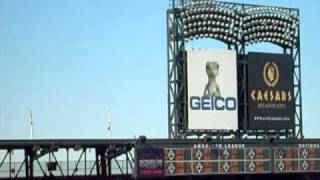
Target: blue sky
72,61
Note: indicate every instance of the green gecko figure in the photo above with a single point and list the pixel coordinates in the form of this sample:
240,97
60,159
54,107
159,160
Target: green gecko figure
212,88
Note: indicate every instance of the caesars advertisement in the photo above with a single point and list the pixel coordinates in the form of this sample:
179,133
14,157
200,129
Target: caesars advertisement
212,89
270,91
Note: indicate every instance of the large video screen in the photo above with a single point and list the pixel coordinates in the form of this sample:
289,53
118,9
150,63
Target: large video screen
212,89
270,91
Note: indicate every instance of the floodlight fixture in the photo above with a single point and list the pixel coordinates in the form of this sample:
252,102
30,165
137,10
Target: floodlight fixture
142,139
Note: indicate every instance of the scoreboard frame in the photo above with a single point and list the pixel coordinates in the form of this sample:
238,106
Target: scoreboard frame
233,157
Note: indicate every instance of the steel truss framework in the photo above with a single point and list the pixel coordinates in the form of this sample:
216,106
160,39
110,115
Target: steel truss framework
105,151
177,82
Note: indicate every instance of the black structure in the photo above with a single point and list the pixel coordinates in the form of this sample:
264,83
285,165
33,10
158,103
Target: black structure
238,26
108,150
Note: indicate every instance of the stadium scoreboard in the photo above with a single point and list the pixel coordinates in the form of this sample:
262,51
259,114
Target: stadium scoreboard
205,159
215,160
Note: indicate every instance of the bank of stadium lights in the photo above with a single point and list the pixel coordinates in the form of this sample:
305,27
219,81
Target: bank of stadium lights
270,24
210,19
232,24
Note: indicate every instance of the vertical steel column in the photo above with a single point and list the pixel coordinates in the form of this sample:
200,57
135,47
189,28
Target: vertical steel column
294,123
295,53
170,117
26,162
290,51
176,80
85,161
241,51
103,165
109,166
97,162
297,87
171,53
31,158
10,161
127,161
67,161
100,156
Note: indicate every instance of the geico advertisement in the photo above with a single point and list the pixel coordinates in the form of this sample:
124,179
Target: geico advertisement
212,89
270,91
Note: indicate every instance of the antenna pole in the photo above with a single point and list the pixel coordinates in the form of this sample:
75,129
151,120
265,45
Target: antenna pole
31,125
109,124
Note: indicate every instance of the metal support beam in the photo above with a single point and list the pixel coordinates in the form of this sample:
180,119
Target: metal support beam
67,161
97,162
31,159
127,161
101,161
10,162
26,160
109,166
85,161
77,164
115,159
92,168
176,76
42,170
19,169
130,157
4,158
56,160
